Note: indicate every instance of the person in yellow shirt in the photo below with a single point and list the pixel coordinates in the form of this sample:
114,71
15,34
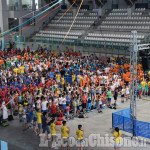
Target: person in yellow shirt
80,134
64,133
117,138
20,111
53,133
62,80
143,87
149,74
16,70
81,79
22,69
73,78
39,121
57,77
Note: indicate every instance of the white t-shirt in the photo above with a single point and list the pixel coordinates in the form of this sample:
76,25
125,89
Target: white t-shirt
60,100
127,91
56,101
38,104
64,101
44,105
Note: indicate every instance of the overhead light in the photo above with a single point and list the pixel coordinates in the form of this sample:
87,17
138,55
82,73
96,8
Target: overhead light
15,18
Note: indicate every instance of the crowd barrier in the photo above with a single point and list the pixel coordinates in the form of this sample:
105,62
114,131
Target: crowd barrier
4,145
125,123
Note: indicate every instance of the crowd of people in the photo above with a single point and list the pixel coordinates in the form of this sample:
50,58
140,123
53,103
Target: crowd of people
48,88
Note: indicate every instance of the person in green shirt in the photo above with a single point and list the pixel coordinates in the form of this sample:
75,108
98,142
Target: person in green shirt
8,63
109,95
140,90
146,89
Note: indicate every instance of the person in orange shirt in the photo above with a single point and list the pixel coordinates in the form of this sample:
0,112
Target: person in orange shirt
96,81
1,62
122,83
30,68
87,80
83,81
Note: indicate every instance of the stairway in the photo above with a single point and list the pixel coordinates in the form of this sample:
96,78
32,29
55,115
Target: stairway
100,3
130,2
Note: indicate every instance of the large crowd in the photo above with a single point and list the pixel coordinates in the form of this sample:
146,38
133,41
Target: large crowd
47,88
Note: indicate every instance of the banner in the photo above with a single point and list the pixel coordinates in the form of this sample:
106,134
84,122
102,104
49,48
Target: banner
71,48
39,45
50,46
122,51
45,45
31,45
24,45
58,48
7,45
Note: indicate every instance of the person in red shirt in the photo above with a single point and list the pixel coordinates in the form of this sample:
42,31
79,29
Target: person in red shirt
84,102
53,110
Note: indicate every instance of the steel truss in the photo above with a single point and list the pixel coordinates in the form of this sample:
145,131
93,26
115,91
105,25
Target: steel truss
134,48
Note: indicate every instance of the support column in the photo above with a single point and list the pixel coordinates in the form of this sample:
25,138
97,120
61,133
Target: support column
20,5
3,21
20,22
33,5
130,10
133,74
74,12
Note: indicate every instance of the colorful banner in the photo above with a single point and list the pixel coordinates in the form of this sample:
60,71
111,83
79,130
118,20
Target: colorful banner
24,45
45,45
31,45
58,48
109,50
7,45
71,48
122,51
39,45
50,46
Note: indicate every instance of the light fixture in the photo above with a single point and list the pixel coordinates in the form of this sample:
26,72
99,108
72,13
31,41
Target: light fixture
15,18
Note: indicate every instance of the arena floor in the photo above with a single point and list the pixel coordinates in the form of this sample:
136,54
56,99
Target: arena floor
95,124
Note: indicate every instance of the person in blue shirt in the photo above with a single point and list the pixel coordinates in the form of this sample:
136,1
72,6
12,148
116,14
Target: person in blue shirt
29,115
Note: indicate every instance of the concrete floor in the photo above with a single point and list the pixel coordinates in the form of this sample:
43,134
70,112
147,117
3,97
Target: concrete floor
95,124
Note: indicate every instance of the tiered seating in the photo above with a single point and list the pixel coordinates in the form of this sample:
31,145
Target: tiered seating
123,38
83,18
68,25
70,21
119,10
125,14
114,35
117,14
108,39
140,9
56,36
92,14
62,33
126,27
127,22
128,18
